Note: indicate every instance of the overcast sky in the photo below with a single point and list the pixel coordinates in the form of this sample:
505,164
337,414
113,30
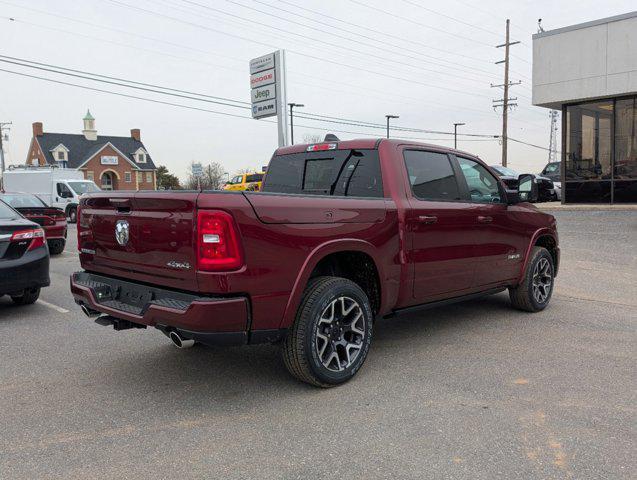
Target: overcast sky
433,68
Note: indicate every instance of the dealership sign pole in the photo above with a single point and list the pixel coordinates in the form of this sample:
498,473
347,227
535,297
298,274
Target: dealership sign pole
268,91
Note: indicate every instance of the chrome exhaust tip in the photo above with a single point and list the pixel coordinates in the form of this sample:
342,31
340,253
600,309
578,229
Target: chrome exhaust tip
180,342
90,312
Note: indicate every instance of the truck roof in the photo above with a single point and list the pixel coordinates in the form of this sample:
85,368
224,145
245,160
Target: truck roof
364,143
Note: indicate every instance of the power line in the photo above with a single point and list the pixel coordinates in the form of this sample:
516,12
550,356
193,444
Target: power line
189,107
406,19
462,67
193,95
330,44
430,10
386,95
315,57
380,32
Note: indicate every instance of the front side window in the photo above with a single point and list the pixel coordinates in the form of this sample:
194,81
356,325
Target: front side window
431,176
235,180
63,191
483,187
348,173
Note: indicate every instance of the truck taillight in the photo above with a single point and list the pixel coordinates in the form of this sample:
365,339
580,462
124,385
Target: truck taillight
35,236
218,247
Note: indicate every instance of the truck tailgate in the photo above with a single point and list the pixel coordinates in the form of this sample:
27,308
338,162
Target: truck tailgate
159,247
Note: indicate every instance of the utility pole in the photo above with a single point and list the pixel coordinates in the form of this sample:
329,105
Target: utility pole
505,102
3,126
455,134
388,117
292,105
553,137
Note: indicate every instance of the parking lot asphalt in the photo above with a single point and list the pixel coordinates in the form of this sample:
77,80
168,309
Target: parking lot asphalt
469,391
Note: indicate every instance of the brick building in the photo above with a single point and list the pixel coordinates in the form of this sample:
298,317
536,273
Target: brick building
113,163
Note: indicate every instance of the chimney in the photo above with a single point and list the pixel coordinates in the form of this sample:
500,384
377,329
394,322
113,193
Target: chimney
136,134
38,129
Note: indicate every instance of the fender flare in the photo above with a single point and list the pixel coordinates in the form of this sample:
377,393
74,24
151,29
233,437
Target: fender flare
538,233
312,260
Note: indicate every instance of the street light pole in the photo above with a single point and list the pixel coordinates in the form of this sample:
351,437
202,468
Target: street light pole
388,117
455,134
292,105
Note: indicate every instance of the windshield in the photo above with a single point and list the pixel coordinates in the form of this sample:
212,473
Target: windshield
6,212
507,172
83,187
23,201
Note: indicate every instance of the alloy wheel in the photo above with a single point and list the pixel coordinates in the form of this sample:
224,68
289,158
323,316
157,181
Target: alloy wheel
340,333
542,280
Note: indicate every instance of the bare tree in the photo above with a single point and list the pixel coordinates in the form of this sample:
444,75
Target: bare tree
312,138
212,178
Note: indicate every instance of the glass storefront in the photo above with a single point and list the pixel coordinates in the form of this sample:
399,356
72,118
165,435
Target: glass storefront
600,154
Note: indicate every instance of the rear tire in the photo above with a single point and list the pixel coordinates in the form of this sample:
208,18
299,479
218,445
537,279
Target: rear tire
330,338
56,246
28,297
534,292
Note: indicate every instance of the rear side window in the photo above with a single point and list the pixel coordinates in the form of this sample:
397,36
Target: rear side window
256,177
431,176
349,173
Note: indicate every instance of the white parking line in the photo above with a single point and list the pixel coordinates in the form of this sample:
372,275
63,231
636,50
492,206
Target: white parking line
54,307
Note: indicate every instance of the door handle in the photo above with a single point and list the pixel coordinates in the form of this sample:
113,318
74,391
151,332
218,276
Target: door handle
483,219
429,219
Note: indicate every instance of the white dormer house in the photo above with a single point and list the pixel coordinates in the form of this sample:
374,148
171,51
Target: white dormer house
60,155
140,155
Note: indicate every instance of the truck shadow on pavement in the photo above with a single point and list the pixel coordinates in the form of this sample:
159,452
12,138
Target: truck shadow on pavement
222,374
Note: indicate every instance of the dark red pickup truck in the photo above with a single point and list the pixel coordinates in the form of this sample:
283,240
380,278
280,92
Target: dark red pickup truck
343,233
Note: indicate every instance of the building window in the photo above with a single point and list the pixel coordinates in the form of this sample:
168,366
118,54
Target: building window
600,152
139,177
141,158
35,161
127,177
61,155
90,175
149,177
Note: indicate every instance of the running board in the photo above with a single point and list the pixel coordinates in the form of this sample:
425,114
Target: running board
442,303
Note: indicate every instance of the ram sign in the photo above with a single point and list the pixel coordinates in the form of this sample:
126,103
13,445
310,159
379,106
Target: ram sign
267,90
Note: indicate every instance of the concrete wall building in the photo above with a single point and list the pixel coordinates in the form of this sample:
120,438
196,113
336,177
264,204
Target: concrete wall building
589,72
113,163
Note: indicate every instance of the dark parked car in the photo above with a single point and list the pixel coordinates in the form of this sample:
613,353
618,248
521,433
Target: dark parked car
51,219
546,189
24,257
342,233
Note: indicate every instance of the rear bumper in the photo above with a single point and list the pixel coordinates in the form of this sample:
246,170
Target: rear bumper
55,232
29,271
162,308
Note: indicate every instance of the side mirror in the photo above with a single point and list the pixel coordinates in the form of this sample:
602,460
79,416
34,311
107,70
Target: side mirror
527,188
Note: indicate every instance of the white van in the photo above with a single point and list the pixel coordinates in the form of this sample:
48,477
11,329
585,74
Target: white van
57,187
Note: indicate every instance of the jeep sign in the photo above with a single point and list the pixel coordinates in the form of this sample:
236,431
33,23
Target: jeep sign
267,90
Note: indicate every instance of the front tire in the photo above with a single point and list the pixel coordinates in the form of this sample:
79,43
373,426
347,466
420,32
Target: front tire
534,292
28,297
330,338
72,215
